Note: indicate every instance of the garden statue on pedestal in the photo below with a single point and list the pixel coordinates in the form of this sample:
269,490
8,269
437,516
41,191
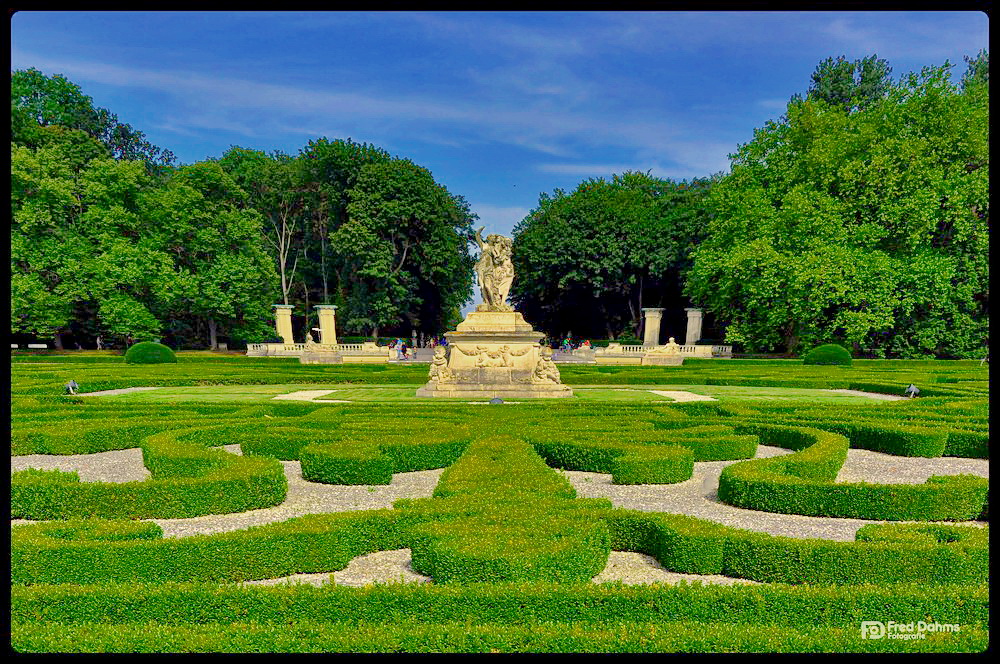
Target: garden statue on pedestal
494,352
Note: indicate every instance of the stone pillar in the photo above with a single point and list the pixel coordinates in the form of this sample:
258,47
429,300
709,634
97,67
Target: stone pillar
651,327
327,323
283,322
693,326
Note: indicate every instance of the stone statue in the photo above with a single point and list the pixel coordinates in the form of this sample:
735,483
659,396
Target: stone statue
309,339
545,370
440,373
494,271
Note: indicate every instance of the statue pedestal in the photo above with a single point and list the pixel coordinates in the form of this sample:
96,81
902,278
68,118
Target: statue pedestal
494,354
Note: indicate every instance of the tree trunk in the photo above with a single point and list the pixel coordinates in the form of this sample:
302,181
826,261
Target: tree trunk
58,340
213,340
322,263
791,338
636,320
607,323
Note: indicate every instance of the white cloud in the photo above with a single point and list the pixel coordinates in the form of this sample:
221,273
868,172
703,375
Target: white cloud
591,170
773,104
257,108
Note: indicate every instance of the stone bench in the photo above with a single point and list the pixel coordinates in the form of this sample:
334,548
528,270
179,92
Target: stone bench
39,346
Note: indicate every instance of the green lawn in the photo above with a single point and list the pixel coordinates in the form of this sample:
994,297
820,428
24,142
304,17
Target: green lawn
396,393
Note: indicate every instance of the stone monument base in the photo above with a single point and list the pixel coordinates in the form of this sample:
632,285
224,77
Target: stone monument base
662,360
494,354
490,391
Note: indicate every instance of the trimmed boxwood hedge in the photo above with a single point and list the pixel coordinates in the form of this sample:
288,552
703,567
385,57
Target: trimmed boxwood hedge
637,455
149,352
405,635
828,354
186,480
499,514
803,483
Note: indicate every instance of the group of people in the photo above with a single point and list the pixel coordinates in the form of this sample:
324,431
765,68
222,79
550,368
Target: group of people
434,342
403,350
567,344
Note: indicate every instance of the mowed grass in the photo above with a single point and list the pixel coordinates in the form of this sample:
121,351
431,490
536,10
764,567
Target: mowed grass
396,393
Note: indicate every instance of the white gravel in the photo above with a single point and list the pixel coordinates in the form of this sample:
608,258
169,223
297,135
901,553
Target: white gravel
871,395
113,466
108,393
683,395
698,495
379,567
637,568
394,567
694,497
309,498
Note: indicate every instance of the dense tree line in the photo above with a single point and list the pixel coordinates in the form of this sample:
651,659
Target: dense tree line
861,217
588,261
110,238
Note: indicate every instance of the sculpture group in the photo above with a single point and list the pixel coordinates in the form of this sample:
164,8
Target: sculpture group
494,352
494,271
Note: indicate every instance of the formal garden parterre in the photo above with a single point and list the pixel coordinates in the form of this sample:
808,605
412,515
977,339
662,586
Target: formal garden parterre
510,546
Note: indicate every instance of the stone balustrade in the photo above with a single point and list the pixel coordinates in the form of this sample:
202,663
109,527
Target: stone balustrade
627,354
296,350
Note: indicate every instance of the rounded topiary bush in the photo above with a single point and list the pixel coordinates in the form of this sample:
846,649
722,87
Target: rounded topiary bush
828,354
149,352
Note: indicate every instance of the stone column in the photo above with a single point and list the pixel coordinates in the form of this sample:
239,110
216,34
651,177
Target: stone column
283,322
693,326
327,323
651,333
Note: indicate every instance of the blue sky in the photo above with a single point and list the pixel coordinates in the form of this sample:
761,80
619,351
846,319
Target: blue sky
499,106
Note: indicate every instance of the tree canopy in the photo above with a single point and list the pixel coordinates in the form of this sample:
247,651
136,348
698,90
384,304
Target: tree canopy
859,223
586,262
38,101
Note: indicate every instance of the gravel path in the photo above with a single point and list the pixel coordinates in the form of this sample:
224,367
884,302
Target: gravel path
871,395
394,567
697,496
308,498
108,393
303,497
113,466
637,568
378,567
682,395
309,395
879,468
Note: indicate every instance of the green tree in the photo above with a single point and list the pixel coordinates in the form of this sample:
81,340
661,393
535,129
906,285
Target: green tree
610,247
851,85
99,246
77,249
274,189
866,228
222,279
405,243
39,101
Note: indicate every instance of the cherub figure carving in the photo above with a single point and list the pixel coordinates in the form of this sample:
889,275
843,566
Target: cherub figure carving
440,372
545,370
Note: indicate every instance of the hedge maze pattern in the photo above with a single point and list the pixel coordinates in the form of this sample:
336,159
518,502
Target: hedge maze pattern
509,545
